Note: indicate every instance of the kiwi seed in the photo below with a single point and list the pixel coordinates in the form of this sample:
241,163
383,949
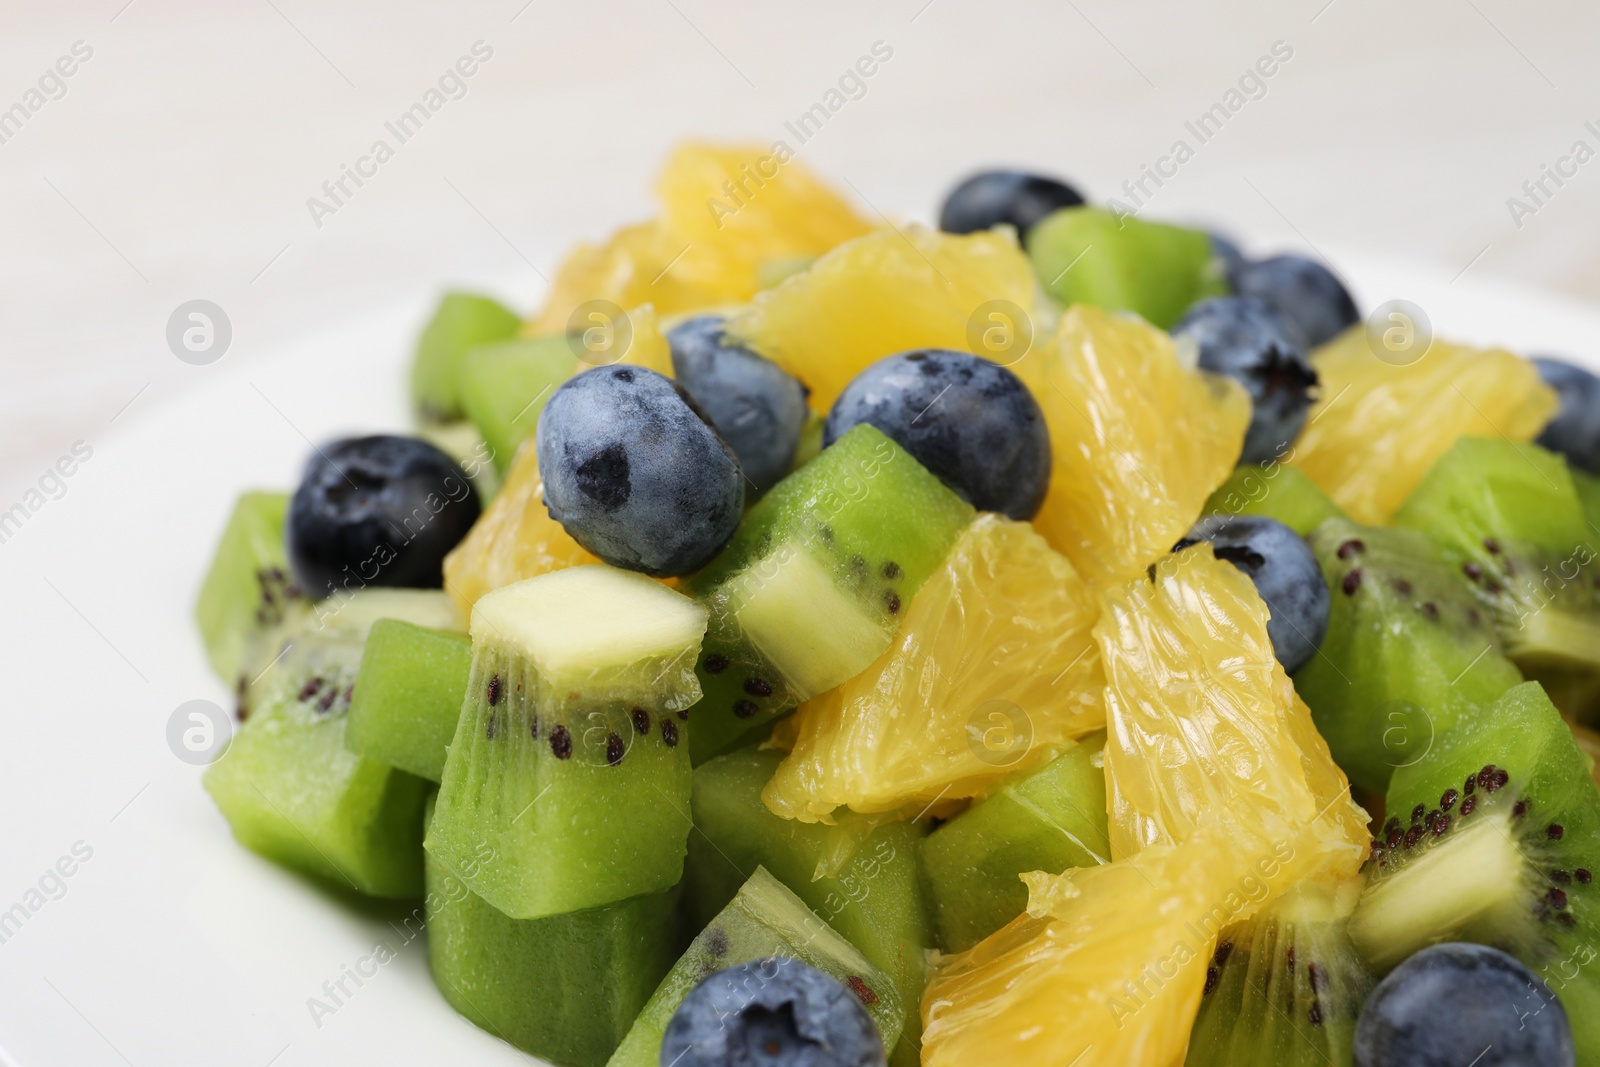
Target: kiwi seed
669,733
716,663
614,749
641,721
494,690
744,708
1352,582
560,742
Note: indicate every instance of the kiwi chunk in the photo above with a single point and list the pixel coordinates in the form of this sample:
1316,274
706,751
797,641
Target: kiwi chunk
249,601
505,386
1285,987
815,581
567,759
1086,255
872,898
461,322
408,696
289,787
1274,491
763,920
1494,837
1049,820
1407,652
565,988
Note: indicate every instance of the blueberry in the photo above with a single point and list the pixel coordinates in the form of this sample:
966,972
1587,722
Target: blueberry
1285,573
1227,250
1303,291
635,474
1242,337
776,1011
1456,1004
985,200
756,407
377,511
971,422
1575,431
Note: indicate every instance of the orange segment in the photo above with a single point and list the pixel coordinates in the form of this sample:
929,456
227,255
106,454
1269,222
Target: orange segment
1139,441
1204,725
887,292
1379,426
992,672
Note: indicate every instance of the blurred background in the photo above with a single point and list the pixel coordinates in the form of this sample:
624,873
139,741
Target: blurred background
176,161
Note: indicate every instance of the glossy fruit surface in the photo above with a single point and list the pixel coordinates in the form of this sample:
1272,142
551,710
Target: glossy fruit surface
1013,197
1306,293
1575,431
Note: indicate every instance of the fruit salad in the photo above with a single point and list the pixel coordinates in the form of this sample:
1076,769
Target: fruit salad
1051,638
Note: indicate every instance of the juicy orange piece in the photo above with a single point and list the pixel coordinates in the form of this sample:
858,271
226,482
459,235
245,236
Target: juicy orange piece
1139,441
1203,724
636,265
515,538
1105,969
637,333
884,293
992,672
1378,427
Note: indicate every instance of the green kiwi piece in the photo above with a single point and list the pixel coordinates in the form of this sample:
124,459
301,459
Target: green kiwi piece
764,919
1286,987
813,585
1407,652
1588,489
1049,820
1494,837
1274,491
461,441
504,387
408,696
872,899
567,759
1508,516
462,321
287,784
248,600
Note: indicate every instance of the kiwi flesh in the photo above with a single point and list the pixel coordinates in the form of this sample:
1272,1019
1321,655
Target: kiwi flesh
1285,987
1273,491
408,696
505,386
461,322
1494,837
1407,652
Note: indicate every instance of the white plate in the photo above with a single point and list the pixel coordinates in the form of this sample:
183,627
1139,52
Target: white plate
172,945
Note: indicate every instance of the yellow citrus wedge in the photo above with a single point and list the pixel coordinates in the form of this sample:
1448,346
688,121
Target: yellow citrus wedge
1379,426
1105,969
515,538
1204,725
637,330
886,292
993,671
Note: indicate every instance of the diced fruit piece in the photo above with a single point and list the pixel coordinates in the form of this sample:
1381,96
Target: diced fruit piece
788,1010
566,987
1509,517
514,539
887,292
765,920
1276,492
1454,1003
408,696
287,785
1004,197
1105,969
1504,833
1086,255
1379,426
872,899
463,321
1287,986
634,474
566,760
992,673
377,511
248,599
1050,820
1243,338
971,422
1588,487
1306,293
1575,431
1140,442
1407,652
504,388
1203,724
812,587
756,407
1285,573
